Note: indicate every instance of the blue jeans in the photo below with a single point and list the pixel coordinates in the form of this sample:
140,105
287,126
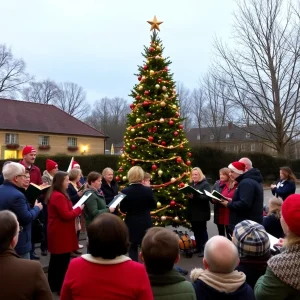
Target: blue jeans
25,256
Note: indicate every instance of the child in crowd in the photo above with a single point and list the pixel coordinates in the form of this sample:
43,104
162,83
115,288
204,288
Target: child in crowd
160,251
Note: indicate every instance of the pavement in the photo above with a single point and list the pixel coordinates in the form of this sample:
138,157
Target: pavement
185,263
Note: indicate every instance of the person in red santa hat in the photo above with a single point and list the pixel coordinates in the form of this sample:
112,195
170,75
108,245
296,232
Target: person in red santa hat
248,199
75,165
29,156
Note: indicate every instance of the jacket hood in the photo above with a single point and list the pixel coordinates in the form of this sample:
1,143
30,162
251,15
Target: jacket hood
227,283
251,174
170,277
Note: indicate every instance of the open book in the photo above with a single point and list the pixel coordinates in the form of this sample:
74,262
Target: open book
117,200
212,196
273,240
82,200
190,190
34,191
218,195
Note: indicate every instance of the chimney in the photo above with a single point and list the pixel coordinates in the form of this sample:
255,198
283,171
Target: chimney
229,125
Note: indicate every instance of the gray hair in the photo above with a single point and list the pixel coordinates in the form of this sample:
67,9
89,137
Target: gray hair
12,170
106,170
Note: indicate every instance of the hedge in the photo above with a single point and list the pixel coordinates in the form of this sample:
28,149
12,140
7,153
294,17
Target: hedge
208,159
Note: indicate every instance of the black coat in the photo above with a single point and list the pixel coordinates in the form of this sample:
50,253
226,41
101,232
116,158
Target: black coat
198,208
273,226
137,205
1,179
71,191
248,200
219,186
109,191
284,189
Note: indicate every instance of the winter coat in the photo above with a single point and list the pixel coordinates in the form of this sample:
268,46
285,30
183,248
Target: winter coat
61,224
253,268
198,207
94,206
13,198
171,286
1,179
137,204
72,192
273,226
34,172
284,188
47,178
109,191
215,286
248,199
22,278
282,278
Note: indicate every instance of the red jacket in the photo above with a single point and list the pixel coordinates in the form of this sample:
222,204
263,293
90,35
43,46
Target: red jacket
61,224
121,278
35,173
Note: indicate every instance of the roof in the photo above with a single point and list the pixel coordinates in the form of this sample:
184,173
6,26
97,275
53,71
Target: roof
35,117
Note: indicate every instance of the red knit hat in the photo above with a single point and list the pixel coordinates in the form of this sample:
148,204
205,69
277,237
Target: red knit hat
75,164
237,167
50,165
291,213
27,150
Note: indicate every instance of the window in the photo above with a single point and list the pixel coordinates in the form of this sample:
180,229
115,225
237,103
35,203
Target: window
198,136
72,142
235,148
252,147
247,135
43,140
243,148
227,148
11,138
227,135
212,136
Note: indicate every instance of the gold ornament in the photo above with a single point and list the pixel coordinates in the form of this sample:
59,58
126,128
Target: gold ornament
158,204
140,87
166,96
160,172
154,24
157,86
173,179
164,88
124,178
123,155
158,48
163,218
157,57
138,120
132,130
161,120
151,72
176,219
162,103
174,106
143,77
156,223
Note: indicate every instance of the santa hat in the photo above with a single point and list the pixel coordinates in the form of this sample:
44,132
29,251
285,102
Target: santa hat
291,213
237,167
27,150
75,164
50,165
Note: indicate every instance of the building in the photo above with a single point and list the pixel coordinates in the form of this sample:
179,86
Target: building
230,138
46,127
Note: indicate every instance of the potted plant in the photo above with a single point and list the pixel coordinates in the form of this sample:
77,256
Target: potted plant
72,148
44,147
12,146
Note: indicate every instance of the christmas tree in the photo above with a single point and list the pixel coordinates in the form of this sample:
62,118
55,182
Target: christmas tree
154,137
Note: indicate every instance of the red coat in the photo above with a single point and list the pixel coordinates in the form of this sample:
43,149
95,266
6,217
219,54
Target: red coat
61,224
35,174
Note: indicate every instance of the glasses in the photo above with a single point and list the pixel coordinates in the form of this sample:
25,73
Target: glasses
22,175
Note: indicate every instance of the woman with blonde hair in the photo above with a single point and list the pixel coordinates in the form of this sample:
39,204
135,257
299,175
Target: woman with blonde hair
109,186
198,209
137,205
272,221
282,277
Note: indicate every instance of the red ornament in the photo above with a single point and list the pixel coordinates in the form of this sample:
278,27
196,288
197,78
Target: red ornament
117,178
188,162
181,147
139,78
150,138
145,67
133,147
131,106
146,103
146,92
148,114
151,49
172,203
171,122
177,114
132,162
138,97
178,160
166,68
181,184
154,129
175,133
163,143
121,169
180,126
149,129
154,167
189,154
159,80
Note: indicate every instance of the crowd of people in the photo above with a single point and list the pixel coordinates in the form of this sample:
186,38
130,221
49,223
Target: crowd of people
239,263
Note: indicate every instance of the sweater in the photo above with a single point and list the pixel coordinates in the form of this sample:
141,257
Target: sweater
91,277
171,286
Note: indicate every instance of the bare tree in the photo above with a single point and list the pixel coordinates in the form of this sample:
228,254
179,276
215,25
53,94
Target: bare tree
72,100
263,70
197,104
184,102
12,72
45,92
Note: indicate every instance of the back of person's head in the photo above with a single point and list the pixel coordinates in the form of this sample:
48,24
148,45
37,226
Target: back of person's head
93,176
12,170
290,216
251,239
135,174
220,255
288,173
6,163
160,250
275,205
74,174
108,236
247,162
8,230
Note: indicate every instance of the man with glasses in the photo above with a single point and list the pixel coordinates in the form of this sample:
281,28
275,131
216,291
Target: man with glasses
21,279
12,198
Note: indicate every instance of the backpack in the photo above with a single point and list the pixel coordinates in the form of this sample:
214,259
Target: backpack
185,243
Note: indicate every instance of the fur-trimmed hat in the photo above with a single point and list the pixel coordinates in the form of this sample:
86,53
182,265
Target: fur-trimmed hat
237,167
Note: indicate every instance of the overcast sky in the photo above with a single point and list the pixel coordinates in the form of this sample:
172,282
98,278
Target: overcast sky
98,43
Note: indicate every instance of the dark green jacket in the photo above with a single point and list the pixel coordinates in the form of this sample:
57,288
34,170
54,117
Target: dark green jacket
94,206
171,286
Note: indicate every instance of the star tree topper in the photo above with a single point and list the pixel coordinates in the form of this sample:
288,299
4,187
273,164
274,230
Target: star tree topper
154,24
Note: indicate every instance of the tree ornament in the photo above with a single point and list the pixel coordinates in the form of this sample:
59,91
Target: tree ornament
133,147
164,88
158,48
159,172
146,93
148,114
117,178
143,77
124,178
180,126
163,143
174,106
181,147
120,169
131,106
177,114
138,97
161,120
157,86
154,128
146,103
181,185
159,80
132,162
173,179
138,120
122,155
171,122
140,87
132,130
154,167
175,133
189,154
178,160
166,68
151,72
150,138
158,204
139,78
154,24
162,103
166,96
176,219
188,162
151,49
172,203
157,57
163,218
145,67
